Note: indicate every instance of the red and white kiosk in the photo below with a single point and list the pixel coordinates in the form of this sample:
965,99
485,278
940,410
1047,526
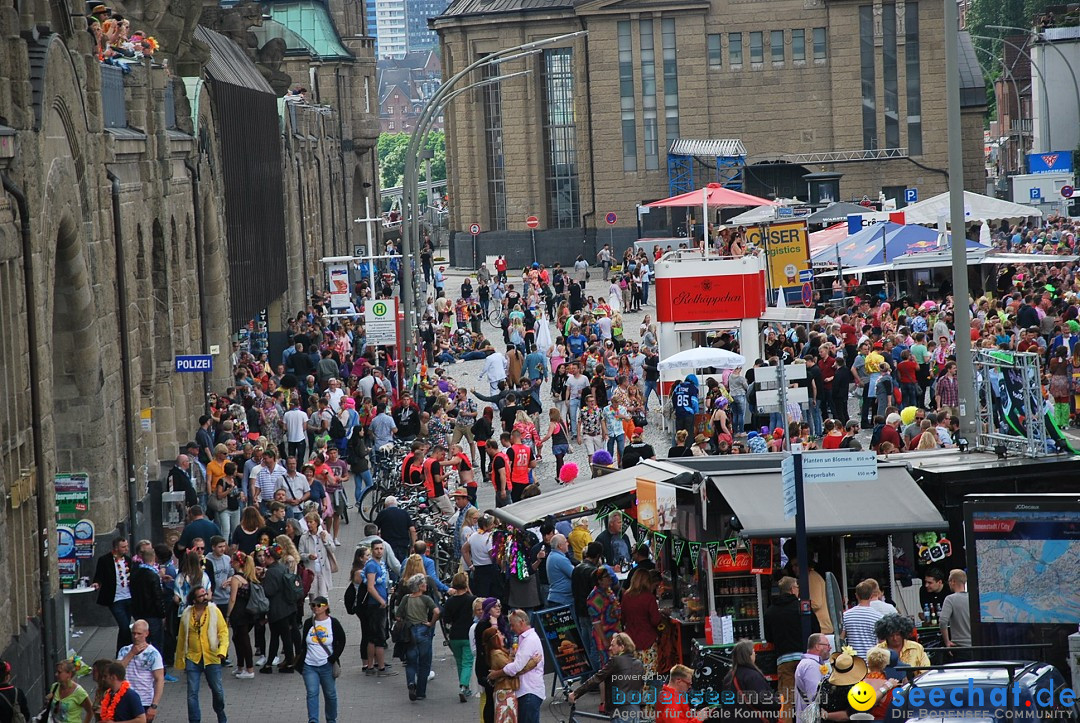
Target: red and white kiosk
698,292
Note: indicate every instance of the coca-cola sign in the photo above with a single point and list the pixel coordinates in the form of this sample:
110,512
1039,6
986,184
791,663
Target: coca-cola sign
710,298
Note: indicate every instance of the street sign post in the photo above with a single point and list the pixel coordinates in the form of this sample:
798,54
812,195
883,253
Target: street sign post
1034,193
787,471
611,218
474,231
380,322
532,222
808,294
806,275
839,466
911,195
1067,191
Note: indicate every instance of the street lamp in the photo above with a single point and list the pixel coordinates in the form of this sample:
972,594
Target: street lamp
410,237
1076,87
1016,90
1038,71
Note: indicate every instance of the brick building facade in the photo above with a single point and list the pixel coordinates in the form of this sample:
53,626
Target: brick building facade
587,132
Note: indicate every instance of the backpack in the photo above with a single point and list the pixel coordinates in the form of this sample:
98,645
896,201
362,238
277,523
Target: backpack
293,587
337,429
258,604
16,711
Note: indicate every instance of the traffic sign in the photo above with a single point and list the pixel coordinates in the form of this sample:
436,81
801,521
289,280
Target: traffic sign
202,363
1067,191
380,322
1034,194
806,275
474,229
807,294
911,195
787,474
532,222
611,218
785,212
839,466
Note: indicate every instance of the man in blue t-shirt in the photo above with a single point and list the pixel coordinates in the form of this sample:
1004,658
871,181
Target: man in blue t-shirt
575,343
684,398
373,613
129,707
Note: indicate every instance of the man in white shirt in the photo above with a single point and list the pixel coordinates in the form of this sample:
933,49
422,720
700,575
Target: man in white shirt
495,368
335,394
297,489
265,480
859,621
145,668
296,420
575,384
530,693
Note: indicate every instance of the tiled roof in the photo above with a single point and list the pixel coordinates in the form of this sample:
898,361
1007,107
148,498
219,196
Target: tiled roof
459,8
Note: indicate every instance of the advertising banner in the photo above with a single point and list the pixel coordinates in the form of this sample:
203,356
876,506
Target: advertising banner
787,246
72,495
656,505
339,285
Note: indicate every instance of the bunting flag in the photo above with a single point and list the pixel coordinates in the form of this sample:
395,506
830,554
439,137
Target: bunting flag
628,520
732,545
695,548
607,510
713,548
659,538
679,545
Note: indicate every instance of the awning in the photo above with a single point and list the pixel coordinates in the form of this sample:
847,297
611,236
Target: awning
584,494
891,503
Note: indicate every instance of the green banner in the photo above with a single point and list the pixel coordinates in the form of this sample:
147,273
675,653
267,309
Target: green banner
732,545
679,545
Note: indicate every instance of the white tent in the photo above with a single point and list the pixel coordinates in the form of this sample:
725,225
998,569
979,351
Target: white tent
977,207
702,357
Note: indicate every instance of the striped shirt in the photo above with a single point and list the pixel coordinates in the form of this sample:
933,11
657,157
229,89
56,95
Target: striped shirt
859,628
267,481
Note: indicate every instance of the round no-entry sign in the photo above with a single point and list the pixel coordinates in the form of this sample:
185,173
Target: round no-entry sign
474,229
611,218
532,222
1067,191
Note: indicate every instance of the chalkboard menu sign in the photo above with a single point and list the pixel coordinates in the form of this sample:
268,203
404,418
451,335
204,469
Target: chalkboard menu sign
562,642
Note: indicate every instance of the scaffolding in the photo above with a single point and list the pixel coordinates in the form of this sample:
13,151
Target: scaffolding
1010,406
729,155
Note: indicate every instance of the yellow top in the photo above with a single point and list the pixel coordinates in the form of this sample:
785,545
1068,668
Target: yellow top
579,538
193,640
874,360
912,654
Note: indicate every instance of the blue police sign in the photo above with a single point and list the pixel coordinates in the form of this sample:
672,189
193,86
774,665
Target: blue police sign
1035,193
911,195
194,363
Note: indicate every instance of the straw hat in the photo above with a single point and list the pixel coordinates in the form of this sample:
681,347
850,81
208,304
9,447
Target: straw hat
847,669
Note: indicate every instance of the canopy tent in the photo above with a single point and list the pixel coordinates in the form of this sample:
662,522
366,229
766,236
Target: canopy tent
713,195
977,207
582,498
891,503
766,213
702,357
826,238
940,259
880,243
835,213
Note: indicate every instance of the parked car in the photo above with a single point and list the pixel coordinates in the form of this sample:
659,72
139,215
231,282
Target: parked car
994,690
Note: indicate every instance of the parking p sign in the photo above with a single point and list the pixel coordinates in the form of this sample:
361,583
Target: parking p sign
911,195
1035,193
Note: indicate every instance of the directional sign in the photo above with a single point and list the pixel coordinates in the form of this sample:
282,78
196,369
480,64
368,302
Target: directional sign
1035,193
911,195
194,363
787,471
839,466
380,322
611,218
806,275
532,222
474,229
1067,191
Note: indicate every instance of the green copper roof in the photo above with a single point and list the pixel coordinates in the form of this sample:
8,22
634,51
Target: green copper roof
305,26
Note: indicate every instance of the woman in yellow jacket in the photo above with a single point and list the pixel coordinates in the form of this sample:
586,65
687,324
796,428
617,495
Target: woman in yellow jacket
894,632
202,644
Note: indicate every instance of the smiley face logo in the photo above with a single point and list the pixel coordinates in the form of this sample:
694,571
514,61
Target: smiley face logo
862,696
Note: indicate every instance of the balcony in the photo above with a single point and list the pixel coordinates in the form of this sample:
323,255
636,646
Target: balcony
1020,127
113,104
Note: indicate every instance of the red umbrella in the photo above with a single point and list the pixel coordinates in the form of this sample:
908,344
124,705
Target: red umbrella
713,195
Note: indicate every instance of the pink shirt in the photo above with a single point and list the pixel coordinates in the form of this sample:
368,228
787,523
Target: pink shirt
533,680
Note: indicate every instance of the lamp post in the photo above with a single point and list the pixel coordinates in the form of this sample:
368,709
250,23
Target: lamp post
1016,91
410,236
961,310
1076,87
1038,71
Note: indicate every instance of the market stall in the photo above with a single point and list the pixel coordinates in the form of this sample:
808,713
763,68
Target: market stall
694,360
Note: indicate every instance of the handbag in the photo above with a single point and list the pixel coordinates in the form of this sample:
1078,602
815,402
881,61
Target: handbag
216,504
335,668
401,633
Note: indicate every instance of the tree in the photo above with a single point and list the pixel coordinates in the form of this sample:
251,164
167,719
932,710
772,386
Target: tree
392,147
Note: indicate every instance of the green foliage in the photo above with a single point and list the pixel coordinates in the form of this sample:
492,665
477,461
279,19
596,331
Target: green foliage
392,148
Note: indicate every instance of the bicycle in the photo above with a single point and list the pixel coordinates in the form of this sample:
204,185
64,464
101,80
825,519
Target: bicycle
495,316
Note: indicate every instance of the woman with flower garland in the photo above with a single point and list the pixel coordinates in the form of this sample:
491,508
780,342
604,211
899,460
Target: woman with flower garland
67,701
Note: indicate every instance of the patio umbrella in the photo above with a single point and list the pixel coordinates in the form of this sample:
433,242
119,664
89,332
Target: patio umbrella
701,357
712,195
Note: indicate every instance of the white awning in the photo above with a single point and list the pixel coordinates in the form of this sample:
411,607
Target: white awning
582,497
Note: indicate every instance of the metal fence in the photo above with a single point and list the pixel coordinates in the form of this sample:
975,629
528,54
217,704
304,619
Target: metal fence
112,97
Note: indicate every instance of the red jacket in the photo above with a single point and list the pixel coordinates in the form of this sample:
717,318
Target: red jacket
673,706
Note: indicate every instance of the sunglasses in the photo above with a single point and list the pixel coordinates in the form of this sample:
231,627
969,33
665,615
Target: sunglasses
318,605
